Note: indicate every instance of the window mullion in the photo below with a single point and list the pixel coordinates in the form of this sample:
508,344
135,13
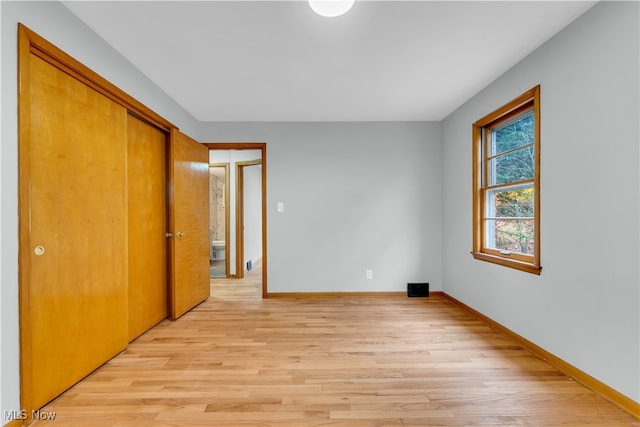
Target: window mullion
513,150
486,141
514,184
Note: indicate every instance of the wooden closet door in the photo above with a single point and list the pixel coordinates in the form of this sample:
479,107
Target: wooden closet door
74,166
147,194
189,211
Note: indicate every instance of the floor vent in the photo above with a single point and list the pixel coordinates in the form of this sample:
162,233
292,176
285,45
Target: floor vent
417,289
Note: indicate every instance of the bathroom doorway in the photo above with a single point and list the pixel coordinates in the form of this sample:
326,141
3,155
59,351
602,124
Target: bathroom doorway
218,219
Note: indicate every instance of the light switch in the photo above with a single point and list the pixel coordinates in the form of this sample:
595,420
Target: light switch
280,207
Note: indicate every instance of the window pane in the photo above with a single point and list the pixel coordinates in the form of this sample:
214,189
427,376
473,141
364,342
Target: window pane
511,167
510,203
513,134
514,235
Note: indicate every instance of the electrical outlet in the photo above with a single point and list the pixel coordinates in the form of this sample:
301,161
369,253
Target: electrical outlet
369,274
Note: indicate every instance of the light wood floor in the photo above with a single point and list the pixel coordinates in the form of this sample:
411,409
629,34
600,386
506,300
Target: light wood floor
238,360
248,288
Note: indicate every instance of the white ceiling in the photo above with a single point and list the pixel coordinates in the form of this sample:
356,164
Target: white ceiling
278,61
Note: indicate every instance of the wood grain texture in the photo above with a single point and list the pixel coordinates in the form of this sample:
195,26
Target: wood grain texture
247,288
189,218
582,377
238,360
77,213
147,225
72,104
41,48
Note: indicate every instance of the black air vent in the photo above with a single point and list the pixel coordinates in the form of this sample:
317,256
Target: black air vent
417,289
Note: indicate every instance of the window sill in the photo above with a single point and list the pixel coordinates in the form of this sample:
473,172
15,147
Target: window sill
511,263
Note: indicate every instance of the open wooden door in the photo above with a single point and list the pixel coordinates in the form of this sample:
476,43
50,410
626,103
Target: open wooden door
189,223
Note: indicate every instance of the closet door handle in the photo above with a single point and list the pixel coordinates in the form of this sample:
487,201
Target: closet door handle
179,235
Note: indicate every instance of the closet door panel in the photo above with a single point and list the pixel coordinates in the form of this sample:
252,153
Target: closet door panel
147,194
77,240
189,210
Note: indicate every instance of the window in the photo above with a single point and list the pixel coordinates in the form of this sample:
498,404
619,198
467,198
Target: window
506,184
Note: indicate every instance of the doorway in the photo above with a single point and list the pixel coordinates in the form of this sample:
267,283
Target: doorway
240,156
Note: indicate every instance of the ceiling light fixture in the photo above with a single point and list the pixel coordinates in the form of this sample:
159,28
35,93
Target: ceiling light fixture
331,8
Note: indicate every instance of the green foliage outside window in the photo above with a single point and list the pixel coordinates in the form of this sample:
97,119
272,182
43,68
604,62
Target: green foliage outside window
513,161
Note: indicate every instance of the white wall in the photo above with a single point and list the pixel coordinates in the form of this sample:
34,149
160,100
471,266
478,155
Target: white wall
58,25
232,157
584,307
357,196
252,213
1,210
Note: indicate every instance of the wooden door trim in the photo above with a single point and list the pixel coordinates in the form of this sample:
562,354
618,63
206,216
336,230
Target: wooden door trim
239,222
24,257
36,45
262,146
227,232
171,221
